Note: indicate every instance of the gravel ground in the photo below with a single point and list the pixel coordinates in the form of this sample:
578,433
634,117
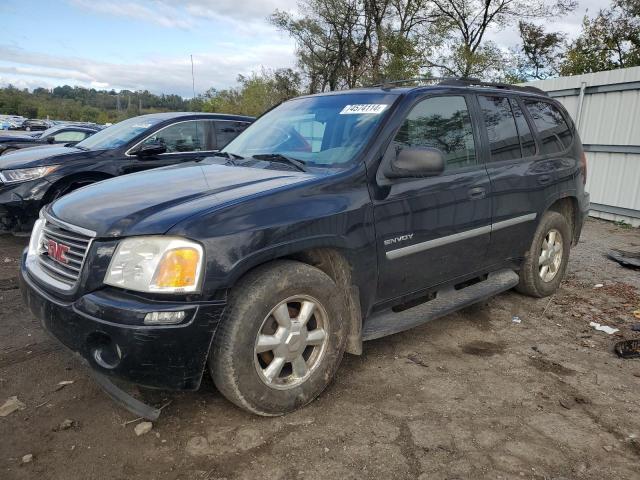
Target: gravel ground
470,396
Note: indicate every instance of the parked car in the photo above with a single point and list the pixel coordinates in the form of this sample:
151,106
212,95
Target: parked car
34,124
66,134
334,219
31,178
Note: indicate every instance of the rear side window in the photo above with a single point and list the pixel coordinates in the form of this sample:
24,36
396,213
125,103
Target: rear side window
227,131
443,123
554,132
501,128
526,137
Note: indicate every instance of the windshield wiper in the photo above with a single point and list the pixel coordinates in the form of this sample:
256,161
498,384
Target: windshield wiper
84,149
280,158
228,155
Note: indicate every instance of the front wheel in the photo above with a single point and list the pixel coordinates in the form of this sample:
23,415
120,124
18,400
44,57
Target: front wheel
546,261
280,340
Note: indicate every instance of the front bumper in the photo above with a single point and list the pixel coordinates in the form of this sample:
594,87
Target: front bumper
105,328
20,204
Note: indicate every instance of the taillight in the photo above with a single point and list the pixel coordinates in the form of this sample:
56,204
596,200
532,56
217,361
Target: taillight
583,167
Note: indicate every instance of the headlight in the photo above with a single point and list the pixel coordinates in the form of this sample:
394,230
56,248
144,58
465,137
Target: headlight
156,264
25,174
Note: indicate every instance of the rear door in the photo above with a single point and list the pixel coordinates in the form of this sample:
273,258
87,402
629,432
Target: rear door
522,176
431,230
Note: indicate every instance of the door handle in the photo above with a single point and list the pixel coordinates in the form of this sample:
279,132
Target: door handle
477,193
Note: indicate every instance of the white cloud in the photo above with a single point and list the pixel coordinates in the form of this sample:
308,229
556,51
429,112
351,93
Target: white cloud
189,13
157,74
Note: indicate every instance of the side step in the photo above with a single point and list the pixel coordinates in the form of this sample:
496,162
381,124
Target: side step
446,301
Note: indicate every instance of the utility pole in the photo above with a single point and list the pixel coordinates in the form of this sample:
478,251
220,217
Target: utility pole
193,79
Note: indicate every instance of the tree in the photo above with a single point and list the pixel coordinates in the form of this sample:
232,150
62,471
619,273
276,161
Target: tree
610,40
465,23
540,54
255,93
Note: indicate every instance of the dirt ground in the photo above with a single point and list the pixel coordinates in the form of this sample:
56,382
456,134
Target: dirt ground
473,395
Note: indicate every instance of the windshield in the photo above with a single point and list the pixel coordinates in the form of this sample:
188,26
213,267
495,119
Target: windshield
322,131
118,134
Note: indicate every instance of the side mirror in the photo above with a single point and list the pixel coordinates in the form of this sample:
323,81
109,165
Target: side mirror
150,149
51,139
416,162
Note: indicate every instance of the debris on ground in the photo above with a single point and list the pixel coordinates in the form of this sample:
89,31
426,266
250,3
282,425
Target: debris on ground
66,425
63,384
27,458
143,428
604,328
608,448
629,259
628,349
598,285
636,313
636,327
516,319
11,405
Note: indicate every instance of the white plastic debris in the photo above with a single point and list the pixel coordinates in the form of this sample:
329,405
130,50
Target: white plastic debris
516,319
28,458
603,328
143,427
598,285
11,405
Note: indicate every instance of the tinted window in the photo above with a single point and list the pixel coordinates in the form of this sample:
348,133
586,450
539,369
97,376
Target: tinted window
227,131
443,123
526,138
69,136
181,137
553,130
501,128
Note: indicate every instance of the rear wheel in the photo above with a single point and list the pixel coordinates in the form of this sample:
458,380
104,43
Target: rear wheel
546,261
280,340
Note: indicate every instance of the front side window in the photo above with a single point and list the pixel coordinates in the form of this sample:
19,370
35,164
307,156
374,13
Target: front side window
501,127
324,131
70,136
443,123
227,131
181,137
553,130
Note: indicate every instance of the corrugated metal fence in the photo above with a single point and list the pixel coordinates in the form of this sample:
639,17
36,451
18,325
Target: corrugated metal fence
606,109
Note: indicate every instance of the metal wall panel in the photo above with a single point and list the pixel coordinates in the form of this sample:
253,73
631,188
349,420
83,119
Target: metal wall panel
609,123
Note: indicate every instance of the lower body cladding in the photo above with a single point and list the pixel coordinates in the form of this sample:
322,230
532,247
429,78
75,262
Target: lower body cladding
106,330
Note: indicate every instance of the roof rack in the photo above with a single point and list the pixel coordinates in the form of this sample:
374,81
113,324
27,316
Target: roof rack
461,82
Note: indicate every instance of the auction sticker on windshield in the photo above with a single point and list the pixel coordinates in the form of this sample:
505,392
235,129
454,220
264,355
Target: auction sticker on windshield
371,108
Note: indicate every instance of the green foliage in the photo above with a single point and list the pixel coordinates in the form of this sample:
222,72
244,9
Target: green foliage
88,105
610,40
255,94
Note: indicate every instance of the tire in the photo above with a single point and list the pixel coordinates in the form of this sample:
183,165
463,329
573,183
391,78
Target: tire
62,190
8,150
534,280
240,366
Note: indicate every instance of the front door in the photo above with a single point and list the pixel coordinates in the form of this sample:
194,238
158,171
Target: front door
184,141
432,230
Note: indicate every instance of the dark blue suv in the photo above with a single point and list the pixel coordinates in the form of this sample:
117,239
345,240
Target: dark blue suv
333,219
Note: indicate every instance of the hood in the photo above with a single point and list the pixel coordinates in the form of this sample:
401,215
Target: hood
151,202
39,156
16,138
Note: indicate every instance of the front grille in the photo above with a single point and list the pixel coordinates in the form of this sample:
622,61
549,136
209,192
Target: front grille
62,252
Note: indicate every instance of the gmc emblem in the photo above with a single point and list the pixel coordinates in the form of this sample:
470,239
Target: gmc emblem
57,251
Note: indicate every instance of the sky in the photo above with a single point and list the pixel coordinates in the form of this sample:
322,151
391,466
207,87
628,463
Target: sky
146,44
